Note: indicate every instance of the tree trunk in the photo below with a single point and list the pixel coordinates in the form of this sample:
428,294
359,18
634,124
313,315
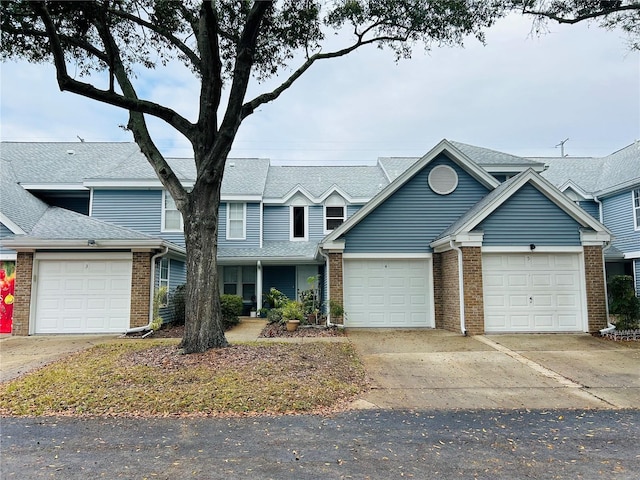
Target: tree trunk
203,322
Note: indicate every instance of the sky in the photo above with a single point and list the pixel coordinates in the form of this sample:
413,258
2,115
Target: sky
520,93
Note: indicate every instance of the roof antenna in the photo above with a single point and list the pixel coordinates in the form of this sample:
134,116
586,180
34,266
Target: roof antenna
81,139
561,145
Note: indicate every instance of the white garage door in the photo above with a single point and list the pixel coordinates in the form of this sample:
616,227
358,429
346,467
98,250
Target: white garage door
83,296
536,292
388,293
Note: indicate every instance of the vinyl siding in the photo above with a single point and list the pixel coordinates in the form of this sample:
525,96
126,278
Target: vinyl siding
636,270
6,252
252,238
591,208
276,223
315,228
618,217
177,277
351,209
414,215
139,210
530,217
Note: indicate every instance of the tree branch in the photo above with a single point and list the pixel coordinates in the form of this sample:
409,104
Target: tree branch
66,83
582,17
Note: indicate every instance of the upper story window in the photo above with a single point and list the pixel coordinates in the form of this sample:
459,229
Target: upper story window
171,216
636,208
236,221
298,222
335,212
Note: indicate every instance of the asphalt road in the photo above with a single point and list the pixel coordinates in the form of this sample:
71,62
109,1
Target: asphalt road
368,444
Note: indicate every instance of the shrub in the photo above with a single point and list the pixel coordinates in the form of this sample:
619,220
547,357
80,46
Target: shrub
179,305
292,310
274,315
623,302
335,309
159,298
275,298
231,306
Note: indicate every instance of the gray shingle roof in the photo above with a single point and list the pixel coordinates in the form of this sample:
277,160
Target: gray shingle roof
16,203
355,181
597,175
486,156
63,162
280,249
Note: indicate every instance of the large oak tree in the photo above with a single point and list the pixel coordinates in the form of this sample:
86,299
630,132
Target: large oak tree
226,44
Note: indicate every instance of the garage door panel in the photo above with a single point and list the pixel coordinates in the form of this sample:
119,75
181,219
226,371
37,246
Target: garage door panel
542,292
387,293
83,295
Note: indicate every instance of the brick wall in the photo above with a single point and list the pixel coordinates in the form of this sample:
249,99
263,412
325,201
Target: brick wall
473,291
336,289
596,291
437,290
22,294
450,303
140,288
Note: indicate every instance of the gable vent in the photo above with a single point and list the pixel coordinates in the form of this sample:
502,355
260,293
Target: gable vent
443,179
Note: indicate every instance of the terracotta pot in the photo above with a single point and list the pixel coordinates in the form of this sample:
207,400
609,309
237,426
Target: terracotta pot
292,325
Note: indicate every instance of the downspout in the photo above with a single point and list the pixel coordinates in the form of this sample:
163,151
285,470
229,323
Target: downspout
151,293
259,285
463,328
328,279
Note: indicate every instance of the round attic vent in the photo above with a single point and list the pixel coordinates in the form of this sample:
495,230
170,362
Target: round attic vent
443,179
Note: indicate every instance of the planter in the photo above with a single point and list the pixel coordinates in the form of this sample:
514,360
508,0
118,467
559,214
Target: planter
252,314
292,325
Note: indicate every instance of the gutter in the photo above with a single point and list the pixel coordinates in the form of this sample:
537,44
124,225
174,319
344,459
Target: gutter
151,292
463,328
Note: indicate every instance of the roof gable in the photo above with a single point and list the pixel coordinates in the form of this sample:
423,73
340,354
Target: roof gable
444,150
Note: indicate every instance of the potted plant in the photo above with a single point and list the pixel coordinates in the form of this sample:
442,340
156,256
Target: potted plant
292,315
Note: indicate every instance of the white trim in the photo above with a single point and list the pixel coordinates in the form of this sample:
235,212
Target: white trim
386,255
163,227
53,186
14,227
241,198
324,216
91,202
8,257
576,189
527,249
244,221
313,199
594,238
160,279
333,247
32,244
632,255
132,183
444,168
82,256
635,210
306,223
261,224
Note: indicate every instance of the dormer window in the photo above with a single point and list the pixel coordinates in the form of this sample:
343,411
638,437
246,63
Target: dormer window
636,208
299,223
335,212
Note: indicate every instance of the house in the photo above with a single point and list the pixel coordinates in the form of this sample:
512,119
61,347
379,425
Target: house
464,238
608,188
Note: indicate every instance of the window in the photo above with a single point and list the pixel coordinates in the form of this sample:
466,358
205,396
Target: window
164,280
333,217
171,216
236,214
299,223
240,281
636,208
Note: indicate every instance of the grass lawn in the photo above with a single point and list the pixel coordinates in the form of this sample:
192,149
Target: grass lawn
150,378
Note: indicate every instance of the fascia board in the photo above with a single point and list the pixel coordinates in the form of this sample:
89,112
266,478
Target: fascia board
148,183
30,244
11,225
631,255
621,187
594,238
335,189
294,191
241,198
333,246
576,188
53,186
444,146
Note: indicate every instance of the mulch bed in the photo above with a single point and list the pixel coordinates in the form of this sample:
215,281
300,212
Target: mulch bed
270,331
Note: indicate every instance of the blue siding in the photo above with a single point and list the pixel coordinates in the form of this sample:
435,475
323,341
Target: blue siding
591,208
351,209
530,217
636,272
177,277
316,222
276,223
252,228
414,215
617,214
139,210
5,232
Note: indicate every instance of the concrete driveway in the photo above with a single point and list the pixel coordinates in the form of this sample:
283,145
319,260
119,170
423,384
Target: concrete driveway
434,369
